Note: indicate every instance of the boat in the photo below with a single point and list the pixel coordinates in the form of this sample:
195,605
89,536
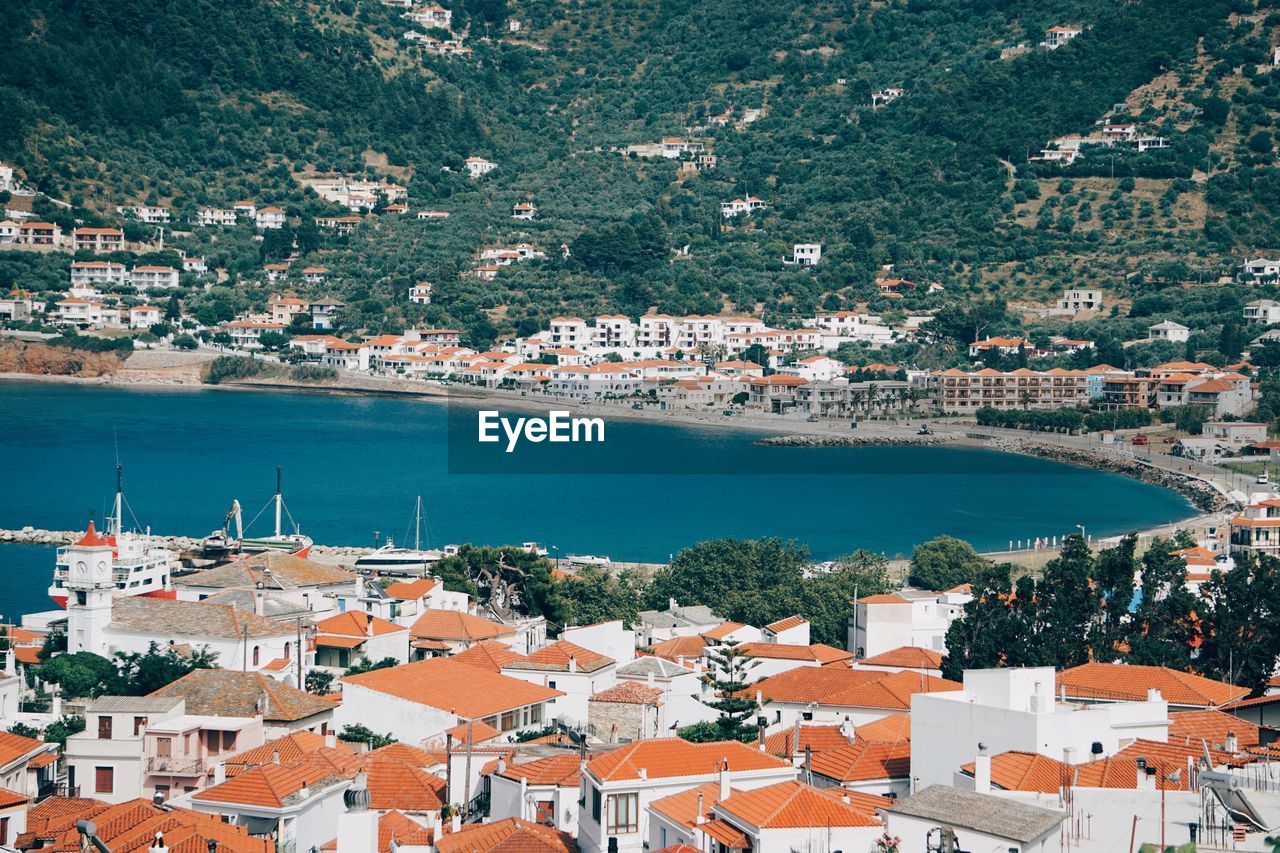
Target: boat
588,560
294,543
141,564
392,560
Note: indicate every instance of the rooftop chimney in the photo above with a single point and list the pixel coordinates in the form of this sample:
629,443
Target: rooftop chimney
723,779
331,740
1153,695
157,845
455,822
1233,743
357,826
982,770
219,773
700,816
573,664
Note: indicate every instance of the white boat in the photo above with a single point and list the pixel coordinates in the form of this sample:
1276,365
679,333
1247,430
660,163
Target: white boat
294,543
391,560
140,563
588,560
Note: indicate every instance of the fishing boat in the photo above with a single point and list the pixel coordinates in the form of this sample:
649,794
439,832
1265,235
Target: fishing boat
141,564
392,560
294,543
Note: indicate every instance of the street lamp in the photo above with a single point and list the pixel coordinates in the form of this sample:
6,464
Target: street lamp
556,548
1080,527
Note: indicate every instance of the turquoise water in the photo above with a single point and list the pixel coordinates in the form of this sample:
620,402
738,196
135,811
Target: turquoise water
353,465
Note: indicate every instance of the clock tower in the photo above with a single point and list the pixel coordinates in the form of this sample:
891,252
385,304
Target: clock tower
89,592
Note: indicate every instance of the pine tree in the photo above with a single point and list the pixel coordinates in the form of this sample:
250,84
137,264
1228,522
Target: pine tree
728,677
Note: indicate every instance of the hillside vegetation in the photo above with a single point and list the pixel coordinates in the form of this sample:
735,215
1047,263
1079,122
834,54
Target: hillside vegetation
207,102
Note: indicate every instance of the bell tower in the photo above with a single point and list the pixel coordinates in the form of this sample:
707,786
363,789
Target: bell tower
89,591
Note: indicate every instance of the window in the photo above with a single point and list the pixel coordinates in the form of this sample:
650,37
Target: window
138,724
624,813
4,830
164,747
104,728
257,653
595,804
104,779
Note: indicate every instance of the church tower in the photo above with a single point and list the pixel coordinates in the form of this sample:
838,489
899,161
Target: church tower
89,590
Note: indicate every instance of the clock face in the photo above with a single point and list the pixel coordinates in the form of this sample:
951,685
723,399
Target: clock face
82,568
102,565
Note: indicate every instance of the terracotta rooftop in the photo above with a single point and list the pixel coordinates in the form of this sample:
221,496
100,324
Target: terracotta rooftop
682,807
476,731
563,771
467,691
894,728
906,657
277,785
1115,681
562,656
722,630
1211,726
355,623
629,693
864,761
13,747
227,693
411,590
817,738
411,755
132,825
510,835
282,750
487,654
680,647
835,686
394,784
794,805
672,757
818,652
454,625
1027,771
274,570
786,624
9,799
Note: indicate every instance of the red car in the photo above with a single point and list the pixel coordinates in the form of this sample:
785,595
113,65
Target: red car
1140,439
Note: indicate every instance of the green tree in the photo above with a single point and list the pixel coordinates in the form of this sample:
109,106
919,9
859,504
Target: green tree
319,681
593,595
1069,607
357,733
1114,571
943,563
141,674
368,665
1163,628
1241,622
64,727
728,678
80,675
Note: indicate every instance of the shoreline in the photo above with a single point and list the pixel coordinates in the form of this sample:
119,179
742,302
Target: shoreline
1206,495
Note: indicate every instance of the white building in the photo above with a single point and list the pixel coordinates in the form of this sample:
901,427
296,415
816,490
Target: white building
478,167
1078,299
524,210
420,293
269,218
1260,269
909,617
430,16
150,277
575,672
1169,331
1017,709
97,274
149,213
216,216
1056,37
1262,312
806,254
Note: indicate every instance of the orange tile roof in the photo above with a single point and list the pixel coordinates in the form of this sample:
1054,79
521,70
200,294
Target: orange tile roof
283,750
131,826
819,652
13,747
467,691
907,657
851,688
680,647
272,785
1121,769
722,630
817,738
1117,681
454,625
411,590
864,761
784,624
561,656
629,693
411,755
1211,726
393,784
1027,771
477,731
682,807
794,805
894,728
563,771
672,757
510,835
9,799
355,623
883,598
487,654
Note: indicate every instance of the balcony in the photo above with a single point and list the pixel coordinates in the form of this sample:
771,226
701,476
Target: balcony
175,765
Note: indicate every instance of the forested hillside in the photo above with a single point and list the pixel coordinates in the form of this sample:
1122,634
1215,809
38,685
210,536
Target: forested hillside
114,101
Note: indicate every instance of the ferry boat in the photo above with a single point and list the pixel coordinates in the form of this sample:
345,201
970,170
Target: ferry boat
402,561
140,563
294,543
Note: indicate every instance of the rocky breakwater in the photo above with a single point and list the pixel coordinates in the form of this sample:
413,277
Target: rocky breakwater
35,536
852,440
1204,495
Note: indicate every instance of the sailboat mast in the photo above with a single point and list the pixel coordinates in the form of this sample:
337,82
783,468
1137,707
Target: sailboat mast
417,526
279,502
116,524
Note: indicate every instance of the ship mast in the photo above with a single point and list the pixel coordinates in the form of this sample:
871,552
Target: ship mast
417,526
115,524
279,501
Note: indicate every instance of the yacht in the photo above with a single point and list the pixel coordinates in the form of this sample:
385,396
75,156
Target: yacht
393,560
141,564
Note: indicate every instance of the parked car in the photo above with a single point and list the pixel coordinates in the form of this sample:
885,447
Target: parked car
1141,439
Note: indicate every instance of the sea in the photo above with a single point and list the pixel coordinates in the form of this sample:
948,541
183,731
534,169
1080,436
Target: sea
354,466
